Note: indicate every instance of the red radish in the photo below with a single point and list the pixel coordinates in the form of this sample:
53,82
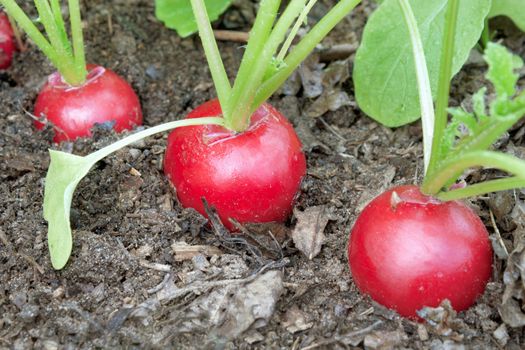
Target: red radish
7,44
73,110
250,167
78,95
251,176
408,250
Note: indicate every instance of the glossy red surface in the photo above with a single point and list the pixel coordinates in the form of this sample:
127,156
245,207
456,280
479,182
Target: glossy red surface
73,111
253,176
7,44
414,251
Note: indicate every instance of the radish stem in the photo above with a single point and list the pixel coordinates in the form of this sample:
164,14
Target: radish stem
303,49
69,61
242,95
218,73
295,30
77,38
425,93
31,30
445,75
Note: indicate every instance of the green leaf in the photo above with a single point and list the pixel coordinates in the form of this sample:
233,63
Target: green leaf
514,9
178,15
64,173
502,64
384,74
505,111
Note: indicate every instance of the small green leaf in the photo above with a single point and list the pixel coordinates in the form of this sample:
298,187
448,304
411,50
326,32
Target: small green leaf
478,104
384,74
514,9
178,15
505,111
502,64
64,173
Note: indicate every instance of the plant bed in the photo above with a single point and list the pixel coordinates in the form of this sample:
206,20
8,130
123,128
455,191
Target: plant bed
126,218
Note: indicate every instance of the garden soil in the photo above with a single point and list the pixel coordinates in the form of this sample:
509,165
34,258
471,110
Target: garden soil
148,274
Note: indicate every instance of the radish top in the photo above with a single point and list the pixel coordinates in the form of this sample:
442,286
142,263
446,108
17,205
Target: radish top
67,56
261,73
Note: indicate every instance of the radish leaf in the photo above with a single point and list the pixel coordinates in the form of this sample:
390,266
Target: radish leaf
64,173
483,130
384,74
178,14
514,9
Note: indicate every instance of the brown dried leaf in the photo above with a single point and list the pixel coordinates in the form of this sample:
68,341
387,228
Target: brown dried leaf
295,320
311,73
246,307
511,309
308,234
381,340
184,251
443,321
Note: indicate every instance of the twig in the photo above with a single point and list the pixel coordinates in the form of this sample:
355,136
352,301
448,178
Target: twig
231,35
332,53
336,52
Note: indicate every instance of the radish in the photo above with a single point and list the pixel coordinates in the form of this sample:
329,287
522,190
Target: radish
103,97
250,169
237,152
77,96
415,246
252,176
408,250
7,43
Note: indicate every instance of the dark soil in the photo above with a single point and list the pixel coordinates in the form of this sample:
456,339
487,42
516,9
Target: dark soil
115,291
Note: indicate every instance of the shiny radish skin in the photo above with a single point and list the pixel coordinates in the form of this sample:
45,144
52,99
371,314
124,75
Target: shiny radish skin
408,250
7,43
73,110
253,176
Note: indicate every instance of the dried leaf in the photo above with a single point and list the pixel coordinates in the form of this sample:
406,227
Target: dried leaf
511,309
234,310
311,73
443,320
295,320
184,251
308,234
385,340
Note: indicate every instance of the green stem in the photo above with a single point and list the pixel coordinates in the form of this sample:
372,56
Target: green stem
60,25
295,30
423,81
77,37
292,11
261,66
485,35
486,137
104,152
303,49
435,182
65,66
238,110
218,73
445,75
31,30
483,188
491,133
